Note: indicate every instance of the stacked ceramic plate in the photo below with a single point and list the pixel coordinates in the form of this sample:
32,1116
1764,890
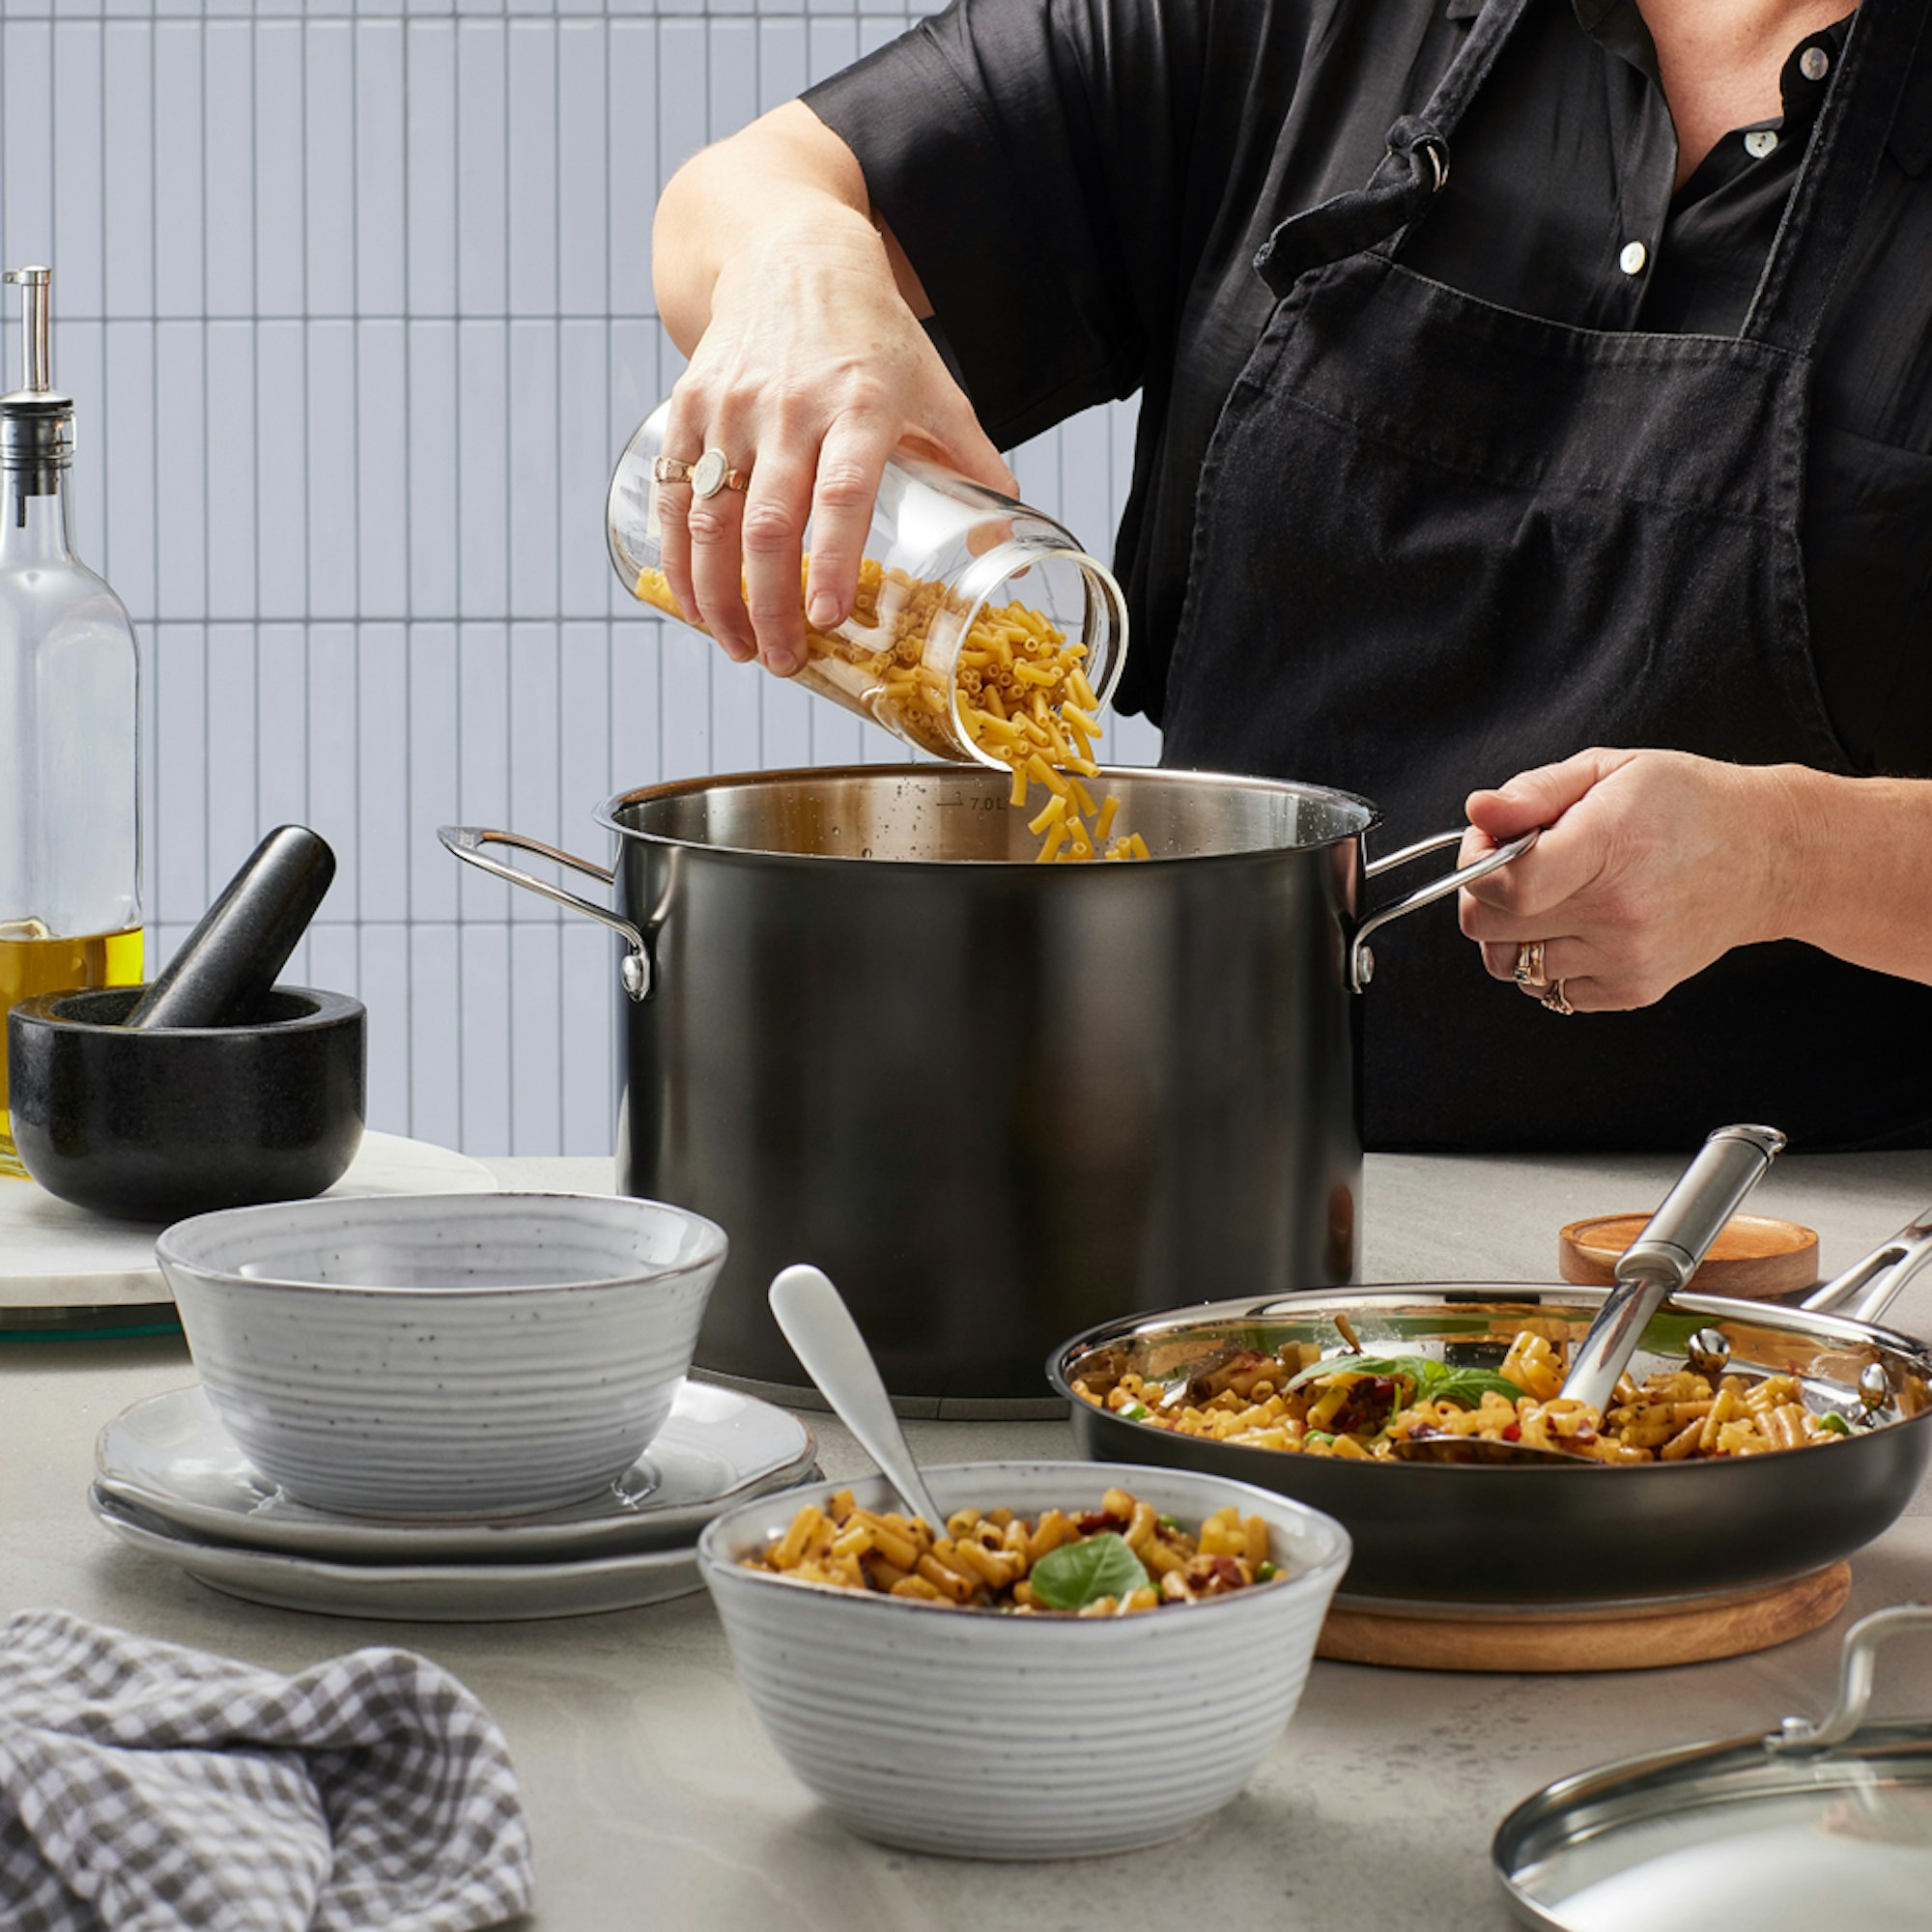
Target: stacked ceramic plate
169,1479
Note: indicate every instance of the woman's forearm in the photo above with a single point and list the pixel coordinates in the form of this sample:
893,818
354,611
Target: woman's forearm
783,177
1860,881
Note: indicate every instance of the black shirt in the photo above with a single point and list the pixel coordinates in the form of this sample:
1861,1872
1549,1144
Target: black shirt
1082,185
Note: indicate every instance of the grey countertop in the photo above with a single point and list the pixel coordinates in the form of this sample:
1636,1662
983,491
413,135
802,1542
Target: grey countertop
655,1799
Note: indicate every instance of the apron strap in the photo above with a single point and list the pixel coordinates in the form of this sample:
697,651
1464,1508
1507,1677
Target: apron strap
1821,218
1409,176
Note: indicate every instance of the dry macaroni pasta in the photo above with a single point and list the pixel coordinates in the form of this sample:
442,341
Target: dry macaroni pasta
1022,697
984,1560
1670,1416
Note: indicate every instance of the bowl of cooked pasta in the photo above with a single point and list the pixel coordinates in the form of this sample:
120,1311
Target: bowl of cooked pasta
979,1687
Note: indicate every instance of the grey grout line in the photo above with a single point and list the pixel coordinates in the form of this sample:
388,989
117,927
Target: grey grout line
154,423
557,426
456,633
610,389
408,987
207,871
356,451
509,580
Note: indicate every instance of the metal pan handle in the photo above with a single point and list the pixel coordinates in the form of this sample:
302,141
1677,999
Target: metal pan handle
1866,1289
468,841
1361,962
1665,1255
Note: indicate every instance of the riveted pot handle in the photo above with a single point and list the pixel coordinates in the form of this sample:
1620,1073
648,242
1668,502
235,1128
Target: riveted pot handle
1361,962
467,844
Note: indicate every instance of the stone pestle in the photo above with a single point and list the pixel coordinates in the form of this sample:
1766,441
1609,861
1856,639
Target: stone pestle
231,959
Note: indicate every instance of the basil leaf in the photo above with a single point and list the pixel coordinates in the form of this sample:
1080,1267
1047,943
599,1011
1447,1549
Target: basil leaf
1431,1380
1079,1574
1467,1387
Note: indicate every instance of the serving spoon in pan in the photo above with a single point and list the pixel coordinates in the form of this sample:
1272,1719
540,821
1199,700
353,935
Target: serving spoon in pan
1658,1263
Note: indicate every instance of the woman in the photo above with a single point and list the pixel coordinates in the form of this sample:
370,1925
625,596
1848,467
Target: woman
1600,416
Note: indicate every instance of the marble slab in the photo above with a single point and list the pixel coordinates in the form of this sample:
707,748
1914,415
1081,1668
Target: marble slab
56,1256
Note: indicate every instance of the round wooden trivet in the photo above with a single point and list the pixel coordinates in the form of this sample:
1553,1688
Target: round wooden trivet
1755,1257
1579,1640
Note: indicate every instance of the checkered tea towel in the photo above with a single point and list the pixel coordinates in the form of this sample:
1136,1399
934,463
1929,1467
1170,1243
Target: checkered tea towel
148,1788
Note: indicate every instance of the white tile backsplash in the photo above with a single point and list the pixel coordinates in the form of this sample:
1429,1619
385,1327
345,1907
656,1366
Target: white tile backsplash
328,165
79,231
355,302
180,185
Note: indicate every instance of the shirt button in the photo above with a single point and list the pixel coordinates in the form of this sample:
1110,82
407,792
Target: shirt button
1760,142
1634,257
1814,63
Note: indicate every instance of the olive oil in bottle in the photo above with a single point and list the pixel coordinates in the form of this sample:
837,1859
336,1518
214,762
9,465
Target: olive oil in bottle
33,961
70,829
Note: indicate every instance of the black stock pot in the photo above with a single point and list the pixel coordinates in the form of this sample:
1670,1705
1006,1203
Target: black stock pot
996,1101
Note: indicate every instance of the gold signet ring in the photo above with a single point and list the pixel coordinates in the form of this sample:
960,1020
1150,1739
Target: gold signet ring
713,472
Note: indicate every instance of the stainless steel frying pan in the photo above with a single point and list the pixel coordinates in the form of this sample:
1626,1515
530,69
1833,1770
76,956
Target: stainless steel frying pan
1565,1533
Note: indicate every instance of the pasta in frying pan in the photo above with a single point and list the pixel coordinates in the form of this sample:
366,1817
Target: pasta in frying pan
1361,1406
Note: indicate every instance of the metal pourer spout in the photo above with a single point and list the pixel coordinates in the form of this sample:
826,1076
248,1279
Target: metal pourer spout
35,421
36,287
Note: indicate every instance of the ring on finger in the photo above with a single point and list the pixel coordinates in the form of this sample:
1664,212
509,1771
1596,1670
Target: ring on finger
1556,1000
1528,968
713,472
669,470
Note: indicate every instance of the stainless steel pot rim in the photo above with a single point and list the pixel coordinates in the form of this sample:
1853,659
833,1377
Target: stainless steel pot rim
606,813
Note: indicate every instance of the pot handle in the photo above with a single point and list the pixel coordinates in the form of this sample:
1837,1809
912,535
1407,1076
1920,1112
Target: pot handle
467,842
1361,962
1866,1289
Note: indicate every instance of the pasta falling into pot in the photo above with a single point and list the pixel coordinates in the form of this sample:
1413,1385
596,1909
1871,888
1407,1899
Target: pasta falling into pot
1018,688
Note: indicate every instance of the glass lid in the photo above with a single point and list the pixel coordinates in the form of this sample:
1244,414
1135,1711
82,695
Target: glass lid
1807,1826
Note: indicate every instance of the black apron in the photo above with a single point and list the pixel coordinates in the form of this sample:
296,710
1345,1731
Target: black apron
1439,542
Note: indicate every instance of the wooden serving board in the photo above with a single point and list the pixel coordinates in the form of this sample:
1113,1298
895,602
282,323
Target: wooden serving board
1684,1630
56,1256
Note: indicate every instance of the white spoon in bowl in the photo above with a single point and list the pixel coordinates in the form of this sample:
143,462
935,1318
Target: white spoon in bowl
813,1317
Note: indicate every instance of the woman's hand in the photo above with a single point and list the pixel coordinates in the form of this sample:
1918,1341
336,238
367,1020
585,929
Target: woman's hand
810,366
1653,864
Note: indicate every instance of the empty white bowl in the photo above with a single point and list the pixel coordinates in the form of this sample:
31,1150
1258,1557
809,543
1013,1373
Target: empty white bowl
442,1356
977,1735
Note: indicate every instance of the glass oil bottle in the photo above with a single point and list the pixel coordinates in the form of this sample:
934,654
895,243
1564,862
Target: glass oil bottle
70,813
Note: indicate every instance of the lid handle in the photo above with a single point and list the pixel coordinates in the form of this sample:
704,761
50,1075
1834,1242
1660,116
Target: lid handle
36,285
1854,1681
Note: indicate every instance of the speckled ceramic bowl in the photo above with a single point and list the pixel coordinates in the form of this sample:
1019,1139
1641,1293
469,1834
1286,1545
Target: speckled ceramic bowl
443,1356
977,1735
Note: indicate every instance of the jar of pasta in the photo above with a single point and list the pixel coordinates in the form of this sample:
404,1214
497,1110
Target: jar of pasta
981,630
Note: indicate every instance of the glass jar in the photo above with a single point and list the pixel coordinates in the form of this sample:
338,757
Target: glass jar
957,583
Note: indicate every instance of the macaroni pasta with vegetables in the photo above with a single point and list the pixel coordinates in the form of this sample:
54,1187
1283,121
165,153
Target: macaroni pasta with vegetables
1361,1406
1114,1561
